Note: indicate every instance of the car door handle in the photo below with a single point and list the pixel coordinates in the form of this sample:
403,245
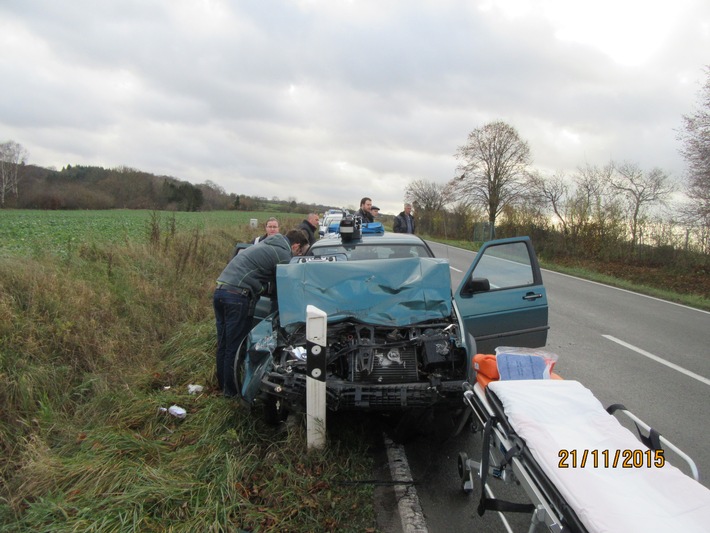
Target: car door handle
532,296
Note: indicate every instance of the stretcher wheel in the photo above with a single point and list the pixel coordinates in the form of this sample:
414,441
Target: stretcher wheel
463,459
465,473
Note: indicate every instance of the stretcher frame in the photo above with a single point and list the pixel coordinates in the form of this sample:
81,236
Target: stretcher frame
505,457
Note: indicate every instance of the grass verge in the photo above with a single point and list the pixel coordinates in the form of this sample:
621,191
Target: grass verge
92,345
691,300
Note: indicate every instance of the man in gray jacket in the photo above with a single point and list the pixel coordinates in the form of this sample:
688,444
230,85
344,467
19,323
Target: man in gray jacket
247,276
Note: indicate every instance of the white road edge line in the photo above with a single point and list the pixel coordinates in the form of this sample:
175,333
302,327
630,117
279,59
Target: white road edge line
659,359
410,510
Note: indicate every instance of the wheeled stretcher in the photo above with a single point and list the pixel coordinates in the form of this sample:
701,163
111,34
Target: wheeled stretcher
581,469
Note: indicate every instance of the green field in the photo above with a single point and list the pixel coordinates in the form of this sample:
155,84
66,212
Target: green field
32,232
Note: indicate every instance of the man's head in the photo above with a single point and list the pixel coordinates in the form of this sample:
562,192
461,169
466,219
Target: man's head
366,204
271,226
313,219
408,208
298,240
375,211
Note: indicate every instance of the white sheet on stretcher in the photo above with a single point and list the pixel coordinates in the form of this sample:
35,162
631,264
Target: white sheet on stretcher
554,415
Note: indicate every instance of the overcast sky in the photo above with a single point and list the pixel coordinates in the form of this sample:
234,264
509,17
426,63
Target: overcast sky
331,100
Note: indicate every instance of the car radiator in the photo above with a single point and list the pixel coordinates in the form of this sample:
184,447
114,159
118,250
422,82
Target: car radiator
384,365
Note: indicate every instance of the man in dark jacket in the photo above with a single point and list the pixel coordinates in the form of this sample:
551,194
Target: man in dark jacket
310,226
243,280
404,222
365,211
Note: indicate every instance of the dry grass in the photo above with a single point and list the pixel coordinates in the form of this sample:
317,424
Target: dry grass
92,345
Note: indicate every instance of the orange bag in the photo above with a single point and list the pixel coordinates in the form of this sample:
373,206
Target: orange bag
486,368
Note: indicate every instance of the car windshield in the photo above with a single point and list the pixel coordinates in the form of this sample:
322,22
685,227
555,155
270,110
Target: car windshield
360,251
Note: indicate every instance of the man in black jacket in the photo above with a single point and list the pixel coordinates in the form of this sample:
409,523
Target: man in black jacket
365,211
310,226
404,222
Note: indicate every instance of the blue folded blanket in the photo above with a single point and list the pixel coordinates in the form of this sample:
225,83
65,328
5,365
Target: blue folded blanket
516,366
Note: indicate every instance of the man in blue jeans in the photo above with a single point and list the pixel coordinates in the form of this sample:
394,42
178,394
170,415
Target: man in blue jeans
244,279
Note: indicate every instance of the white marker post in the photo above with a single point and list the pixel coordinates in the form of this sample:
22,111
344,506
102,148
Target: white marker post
316,330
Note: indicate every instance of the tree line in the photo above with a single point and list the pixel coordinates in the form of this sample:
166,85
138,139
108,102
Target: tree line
24,186
616,211
92,187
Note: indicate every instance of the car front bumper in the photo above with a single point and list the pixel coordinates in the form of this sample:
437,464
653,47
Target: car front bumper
346,395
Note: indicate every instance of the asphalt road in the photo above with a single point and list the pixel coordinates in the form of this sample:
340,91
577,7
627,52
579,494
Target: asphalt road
650,355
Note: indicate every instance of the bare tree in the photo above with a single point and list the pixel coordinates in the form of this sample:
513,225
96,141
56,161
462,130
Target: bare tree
428,199
695,137
494,165
12,156
640,190
593,203
427,195
554,192
209,184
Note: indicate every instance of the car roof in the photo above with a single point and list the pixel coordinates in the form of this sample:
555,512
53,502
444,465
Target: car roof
385,238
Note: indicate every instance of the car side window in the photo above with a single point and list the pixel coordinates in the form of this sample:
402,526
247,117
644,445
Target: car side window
506,265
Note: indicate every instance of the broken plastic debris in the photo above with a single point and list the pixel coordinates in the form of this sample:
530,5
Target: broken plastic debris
177,411
194,389
174,410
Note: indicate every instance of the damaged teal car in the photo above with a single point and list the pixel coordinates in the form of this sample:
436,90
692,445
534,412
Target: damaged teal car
398,337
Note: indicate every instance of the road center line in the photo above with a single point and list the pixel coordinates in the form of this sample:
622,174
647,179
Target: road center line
659,359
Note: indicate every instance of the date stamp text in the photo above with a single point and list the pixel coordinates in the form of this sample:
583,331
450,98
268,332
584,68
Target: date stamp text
611,459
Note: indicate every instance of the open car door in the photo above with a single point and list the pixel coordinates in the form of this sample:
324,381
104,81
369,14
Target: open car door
501,300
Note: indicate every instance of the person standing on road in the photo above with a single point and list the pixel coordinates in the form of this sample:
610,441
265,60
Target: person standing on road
310,226
247,276
404,222
365,211
271,227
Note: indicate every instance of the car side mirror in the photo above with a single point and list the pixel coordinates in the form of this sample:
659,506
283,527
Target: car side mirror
474,285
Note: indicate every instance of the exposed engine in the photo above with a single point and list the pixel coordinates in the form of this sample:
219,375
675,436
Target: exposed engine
362,353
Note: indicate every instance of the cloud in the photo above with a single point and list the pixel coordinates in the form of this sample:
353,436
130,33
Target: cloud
329,101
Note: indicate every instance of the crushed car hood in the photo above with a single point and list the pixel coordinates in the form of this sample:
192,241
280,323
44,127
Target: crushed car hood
392,292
